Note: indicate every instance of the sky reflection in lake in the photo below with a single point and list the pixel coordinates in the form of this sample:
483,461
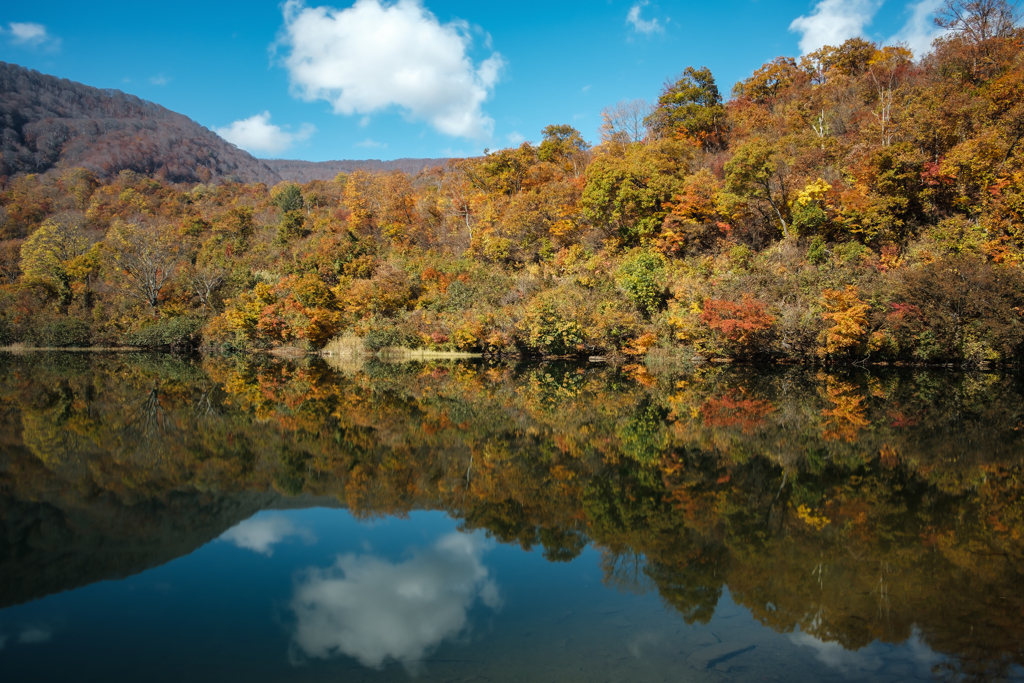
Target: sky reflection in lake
375,610
401,598
260,534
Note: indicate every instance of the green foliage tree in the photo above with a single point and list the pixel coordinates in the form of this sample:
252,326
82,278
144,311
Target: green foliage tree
626,195
642,277
563,145
549,331
288,197
758,171
692,106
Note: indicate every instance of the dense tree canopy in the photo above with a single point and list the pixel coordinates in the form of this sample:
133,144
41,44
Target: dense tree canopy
859,169
692,106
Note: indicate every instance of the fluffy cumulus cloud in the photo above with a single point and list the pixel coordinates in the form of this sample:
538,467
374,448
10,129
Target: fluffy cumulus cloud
834,21
261,534
920,29
30,34
639,24
373,56
377,611
257,134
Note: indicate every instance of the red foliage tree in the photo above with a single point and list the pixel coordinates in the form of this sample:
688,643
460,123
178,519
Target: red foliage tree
742,325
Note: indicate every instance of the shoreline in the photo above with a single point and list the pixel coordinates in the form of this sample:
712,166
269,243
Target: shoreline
405,354
16,349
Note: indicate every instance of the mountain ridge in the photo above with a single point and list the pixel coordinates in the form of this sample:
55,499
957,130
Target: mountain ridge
48,123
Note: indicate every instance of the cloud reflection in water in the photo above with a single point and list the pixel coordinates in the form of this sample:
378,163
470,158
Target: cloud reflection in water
261,534
837,657
34,636
375,610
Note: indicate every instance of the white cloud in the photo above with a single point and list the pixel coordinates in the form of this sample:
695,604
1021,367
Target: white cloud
376,611
834,655
515,138
32,35
641,25
370,142
372,56
837,657
834,21
920,29
159,80
263,533
33,636
257,134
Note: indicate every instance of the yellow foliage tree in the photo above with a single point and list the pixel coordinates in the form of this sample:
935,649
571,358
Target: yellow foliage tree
47,253
814,192
848,315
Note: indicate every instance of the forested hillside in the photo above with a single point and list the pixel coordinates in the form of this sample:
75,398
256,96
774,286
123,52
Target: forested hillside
50,122
857,204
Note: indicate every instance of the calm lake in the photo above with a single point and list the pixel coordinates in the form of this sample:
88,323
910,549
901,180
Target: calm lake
220,519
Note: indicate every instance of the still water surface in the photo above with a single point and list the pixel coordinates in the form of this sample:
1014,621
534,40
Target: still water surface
217,519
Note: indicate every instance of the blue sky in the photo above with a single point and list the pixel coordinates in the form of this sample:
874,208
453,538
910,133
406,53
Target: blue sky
384,79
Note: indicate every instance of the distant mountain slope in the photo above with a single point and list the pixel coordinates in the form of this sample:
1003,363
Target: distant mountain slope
48,122
305,171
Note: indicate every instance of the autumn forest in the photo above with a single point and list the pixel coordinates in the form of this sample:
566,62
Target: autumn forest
732,389
859,204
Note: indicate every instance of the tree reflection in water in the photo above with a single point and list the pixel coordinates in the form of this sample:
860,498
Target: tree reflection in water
844,507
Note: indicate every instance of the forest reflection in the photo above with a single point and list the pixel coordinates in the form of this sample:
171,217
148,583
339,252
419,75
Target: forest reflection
842,506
